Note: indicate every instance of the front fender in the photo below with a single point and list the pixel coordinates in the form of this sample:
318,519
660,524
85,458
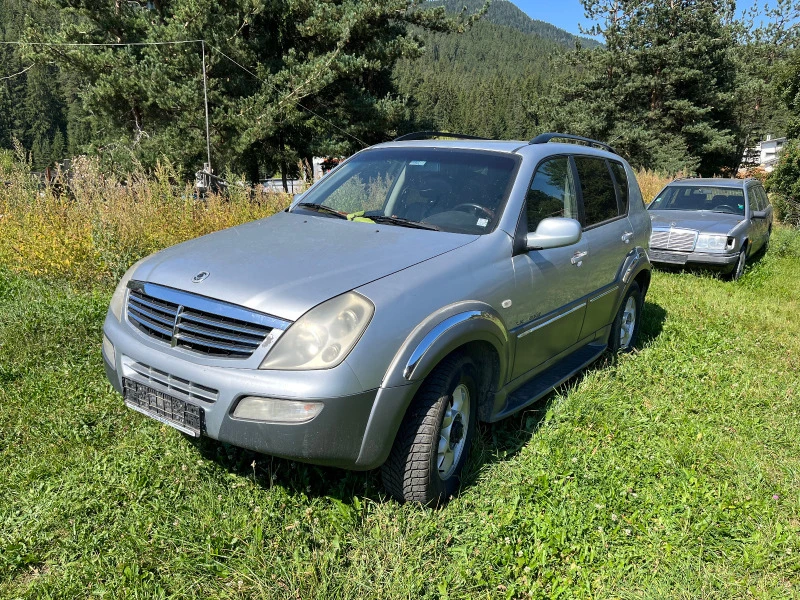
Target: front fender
441,333
437,336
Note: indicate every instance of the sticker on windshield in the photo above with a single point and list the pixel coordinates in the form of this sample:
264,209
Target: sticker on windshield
417,163
483,222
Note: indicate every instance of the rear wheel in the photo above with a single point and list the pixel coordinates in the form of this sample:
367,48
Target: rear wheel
625,328
434,440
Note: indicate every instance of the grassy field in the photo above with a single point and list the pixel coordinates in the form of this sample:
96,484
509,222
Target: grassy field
673,472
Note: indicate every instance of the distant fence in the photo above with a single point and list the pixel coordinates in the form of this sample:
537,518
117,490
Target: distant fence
276,185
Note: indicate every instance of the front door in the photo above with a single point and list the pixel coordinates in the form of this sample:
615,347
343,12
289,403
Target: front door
549,284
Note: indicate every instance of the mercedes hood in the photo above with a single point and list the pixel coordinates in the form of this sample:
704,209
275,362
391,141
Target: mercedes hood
704,221
288,263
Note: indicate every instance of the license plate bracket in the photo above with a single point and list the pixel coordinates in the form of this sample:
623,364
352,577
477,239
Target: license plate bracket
675,258
183,416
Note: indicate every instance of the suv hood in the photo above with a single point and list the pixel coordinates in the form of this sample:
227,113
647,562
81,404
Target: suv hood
703,221
288,263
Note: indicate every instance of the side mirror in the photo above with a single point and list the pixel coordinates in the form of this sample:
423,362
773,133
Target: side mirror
759,214
554,232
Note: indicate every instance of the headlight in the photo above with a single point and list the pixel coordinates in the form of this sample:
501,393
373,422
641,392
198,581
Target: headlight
118,299
711,243
323,337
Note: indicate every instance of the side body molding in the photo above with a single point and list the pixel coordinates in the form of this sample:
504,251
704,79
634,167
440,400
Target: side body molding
443,332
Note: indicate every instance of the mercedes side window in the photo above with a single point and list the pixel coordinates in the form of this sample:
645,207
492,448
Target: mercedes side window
622,185
597,188
552,192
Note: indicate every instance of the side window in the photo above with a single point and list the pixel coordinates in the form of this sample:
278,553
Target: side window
763,201
599,196
622,184
552,192
753,194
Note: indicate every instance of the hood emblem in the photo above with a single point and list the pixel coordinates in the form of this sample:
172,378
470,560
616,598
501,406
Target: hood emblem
673,224
202,275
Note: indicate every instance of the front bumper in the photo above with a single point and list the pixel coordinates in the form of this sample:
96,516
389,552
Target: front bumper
354,430
706,259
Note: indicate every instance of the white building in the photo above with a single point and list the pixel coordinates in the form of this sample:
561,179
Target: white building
765,154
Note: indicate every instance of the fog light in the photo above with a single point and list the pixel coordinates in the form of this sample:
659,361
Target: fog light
279,411
108,350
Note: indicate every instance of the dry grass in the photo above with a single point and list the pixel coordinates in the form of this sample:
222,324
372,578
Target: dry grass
651,183
92,234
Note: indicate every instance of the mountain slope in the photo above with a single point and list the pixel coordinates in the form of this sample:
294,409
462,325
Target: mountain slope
505,13
487,81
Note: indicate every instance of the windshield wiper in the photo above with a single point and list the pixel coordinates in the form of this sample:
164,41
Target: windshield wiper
401,222
323,209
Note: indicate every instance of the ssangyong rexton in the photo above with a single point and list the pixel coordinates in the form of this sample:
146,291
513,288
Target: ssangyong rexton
421,286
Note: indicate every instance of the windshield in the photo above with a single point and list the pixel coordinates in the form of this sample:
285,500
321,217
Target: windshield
461,191
687,197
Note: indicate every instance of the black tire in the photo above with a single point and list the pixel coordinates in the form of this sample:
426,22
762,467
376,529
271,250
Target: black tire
411,473
616,342
739,267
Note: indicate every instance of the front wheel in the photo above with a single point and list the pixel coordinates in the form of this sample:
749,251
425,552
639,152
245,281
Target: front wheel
434,440
741,263
625,328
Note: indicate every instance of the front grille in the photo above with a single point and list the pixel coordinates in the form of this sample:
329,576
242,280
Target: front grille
682,240
197,323
162,381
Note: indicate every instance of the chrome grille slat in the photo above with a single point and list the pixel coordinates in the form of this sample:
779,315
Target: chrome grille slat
191,340
182,389
151,325
197,323
136,297
216,335
196,318
152,315
681,240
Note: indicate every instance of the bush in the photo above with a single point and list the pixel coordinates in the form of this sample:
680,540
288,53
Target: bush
784,185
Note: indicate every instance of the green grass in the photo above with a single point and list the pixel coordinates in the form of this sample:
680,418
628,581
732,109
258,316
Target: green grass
673,472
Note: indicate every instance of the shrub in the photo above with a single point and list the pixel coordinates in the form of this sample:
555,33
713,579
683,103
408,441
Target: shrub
784,185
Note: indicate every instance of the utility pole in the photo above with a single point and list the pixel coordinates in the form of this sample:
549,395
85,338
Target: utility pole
205,96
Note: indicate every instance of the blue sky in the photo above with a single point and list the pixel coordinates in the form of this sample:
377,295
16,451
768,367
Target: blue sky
567,14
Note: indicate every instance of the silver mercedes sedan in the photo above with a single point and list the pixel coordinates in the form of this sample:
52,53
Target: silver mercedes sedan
716,223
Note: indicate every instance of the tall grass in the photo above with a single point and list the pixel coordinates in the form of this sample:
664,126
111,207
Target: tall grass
92,230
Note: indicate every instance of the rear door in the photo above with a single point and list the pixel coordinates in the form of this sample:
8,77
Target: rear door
550,285
604,195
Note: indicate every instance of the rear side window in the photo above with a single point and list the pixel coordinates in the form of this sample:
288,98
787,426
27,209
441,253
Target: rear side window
552,192
764,197
597,187
759,198
622,184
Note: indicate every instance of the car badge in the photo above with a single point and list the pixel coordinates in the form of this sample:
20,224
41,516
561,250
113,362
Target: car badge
202,275
673,224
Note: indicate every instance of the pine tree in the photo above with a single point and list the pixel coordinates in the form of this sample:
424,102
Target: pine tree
662,89
320,83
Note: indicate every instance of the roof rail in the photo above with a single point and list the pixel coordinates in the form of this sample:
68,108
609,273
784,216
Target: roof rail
546,137
428,135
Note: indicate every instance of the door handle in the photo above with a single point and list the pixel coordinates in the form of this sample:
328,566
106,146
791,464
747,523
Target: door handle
577,258
626,237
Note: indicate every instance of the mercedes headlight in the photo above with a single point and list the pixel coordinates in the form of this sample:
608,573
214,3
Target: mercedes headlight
711,243
323,337
118,299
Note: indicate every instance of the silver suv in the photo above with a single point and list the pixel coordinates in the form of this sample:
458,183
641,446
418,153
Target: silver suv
421,286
